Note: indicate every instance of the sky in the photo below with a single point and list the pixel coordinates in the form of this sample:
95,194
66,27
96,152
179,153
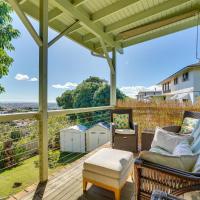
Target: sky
141,66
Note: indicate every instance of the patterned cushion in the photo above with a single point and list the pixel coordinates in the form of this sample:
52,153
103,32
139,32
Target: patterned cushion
189,125
121,121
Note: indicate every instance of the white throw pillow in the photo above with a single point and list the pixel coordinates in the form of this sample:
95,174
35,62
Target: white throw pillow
183,148
196,168
168,140
159,150
184,163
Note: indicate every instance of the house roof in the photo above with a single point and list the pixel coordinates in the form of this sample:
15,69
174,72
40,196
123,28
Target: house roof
102,124
149,92
78,127
185,69
120,23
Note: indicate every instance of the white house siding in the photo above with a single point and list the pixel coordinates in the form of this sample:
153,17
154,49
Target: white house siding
196,83
191,86
183,84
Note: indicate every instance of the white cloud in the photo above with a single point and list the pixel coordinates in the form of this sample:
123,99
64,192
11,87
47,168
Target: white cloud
22,77
132,91
33,79
68,86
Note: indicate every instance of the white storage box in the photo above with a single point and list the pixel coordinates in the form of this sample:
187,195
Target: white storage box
97,135
72,139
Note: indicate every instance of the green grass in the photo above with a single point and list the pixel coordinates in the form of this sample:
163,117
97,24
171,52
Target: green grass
26,174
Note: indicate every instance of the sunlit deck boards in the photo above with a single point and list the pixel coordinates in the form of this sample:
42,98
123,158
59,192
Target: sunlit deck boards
67,185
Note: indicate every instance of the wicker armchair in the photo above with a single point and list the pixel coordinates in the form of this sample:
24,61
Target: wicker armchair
127,142
150,176
147,135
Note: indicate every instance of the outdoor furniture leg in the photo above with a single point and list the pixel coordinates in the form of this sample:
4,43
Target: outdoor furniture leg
84,185
117,194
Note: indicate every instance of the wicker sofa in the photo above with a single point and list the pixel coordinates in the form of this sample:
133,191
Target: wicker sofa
150,176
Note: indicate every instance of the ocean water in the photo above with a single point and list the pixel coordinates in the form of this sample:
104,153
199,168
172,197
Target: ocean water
26,105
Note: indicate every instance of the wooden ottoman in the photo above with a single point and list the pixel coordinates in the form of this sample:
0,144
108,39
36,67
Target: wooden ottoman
109,169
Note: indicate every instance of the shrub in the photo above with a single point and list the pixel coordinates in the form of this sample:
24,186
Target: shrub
53,157
19,150
1,156
15,135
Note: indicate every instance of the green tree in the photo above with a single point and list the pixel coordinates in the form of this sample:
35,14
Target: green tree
91,92
65,100
102,96
84,93
7,33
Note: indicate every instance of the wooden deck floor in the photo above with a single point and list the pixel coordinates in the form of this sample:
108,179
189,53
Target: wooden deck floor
67,185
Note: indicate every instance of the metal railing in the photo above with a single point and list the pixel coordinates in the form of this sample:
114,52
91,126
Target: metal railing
19,144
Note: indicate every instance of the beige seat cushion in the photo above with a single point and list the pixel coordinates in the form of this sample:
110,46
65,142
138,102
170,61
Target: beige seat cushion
124,131
109,162
184,162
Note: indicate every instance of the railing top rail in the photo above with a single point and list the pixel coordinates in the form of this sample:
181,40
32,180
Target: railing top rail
79,110
35,115
17,116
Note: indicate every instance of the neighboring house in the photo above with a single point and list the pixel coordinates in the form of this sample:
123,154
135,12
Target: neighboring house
147,95
183,85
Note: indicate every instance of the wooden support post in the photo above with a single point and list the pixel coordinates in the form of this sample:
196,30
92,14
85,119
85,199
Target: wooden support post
43,105
113,87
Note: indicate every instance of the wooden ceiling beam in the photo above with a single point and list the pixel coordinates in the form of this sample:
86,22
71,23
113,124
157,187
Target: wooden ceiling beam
139,16
54,14
111,9
160,33
56,25
145,14
97,30
155,25
77,3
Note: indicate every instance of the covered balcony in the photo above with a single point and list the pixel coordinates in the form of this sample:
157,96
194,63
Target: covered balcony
105,28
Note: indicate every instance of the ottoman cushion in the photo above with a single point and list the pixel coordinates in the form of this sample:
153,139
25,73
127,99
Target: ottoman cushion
109,162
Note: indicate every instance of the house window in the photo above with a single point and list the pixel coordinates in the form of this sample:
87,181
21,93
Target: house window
166,87
185,76
176,81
